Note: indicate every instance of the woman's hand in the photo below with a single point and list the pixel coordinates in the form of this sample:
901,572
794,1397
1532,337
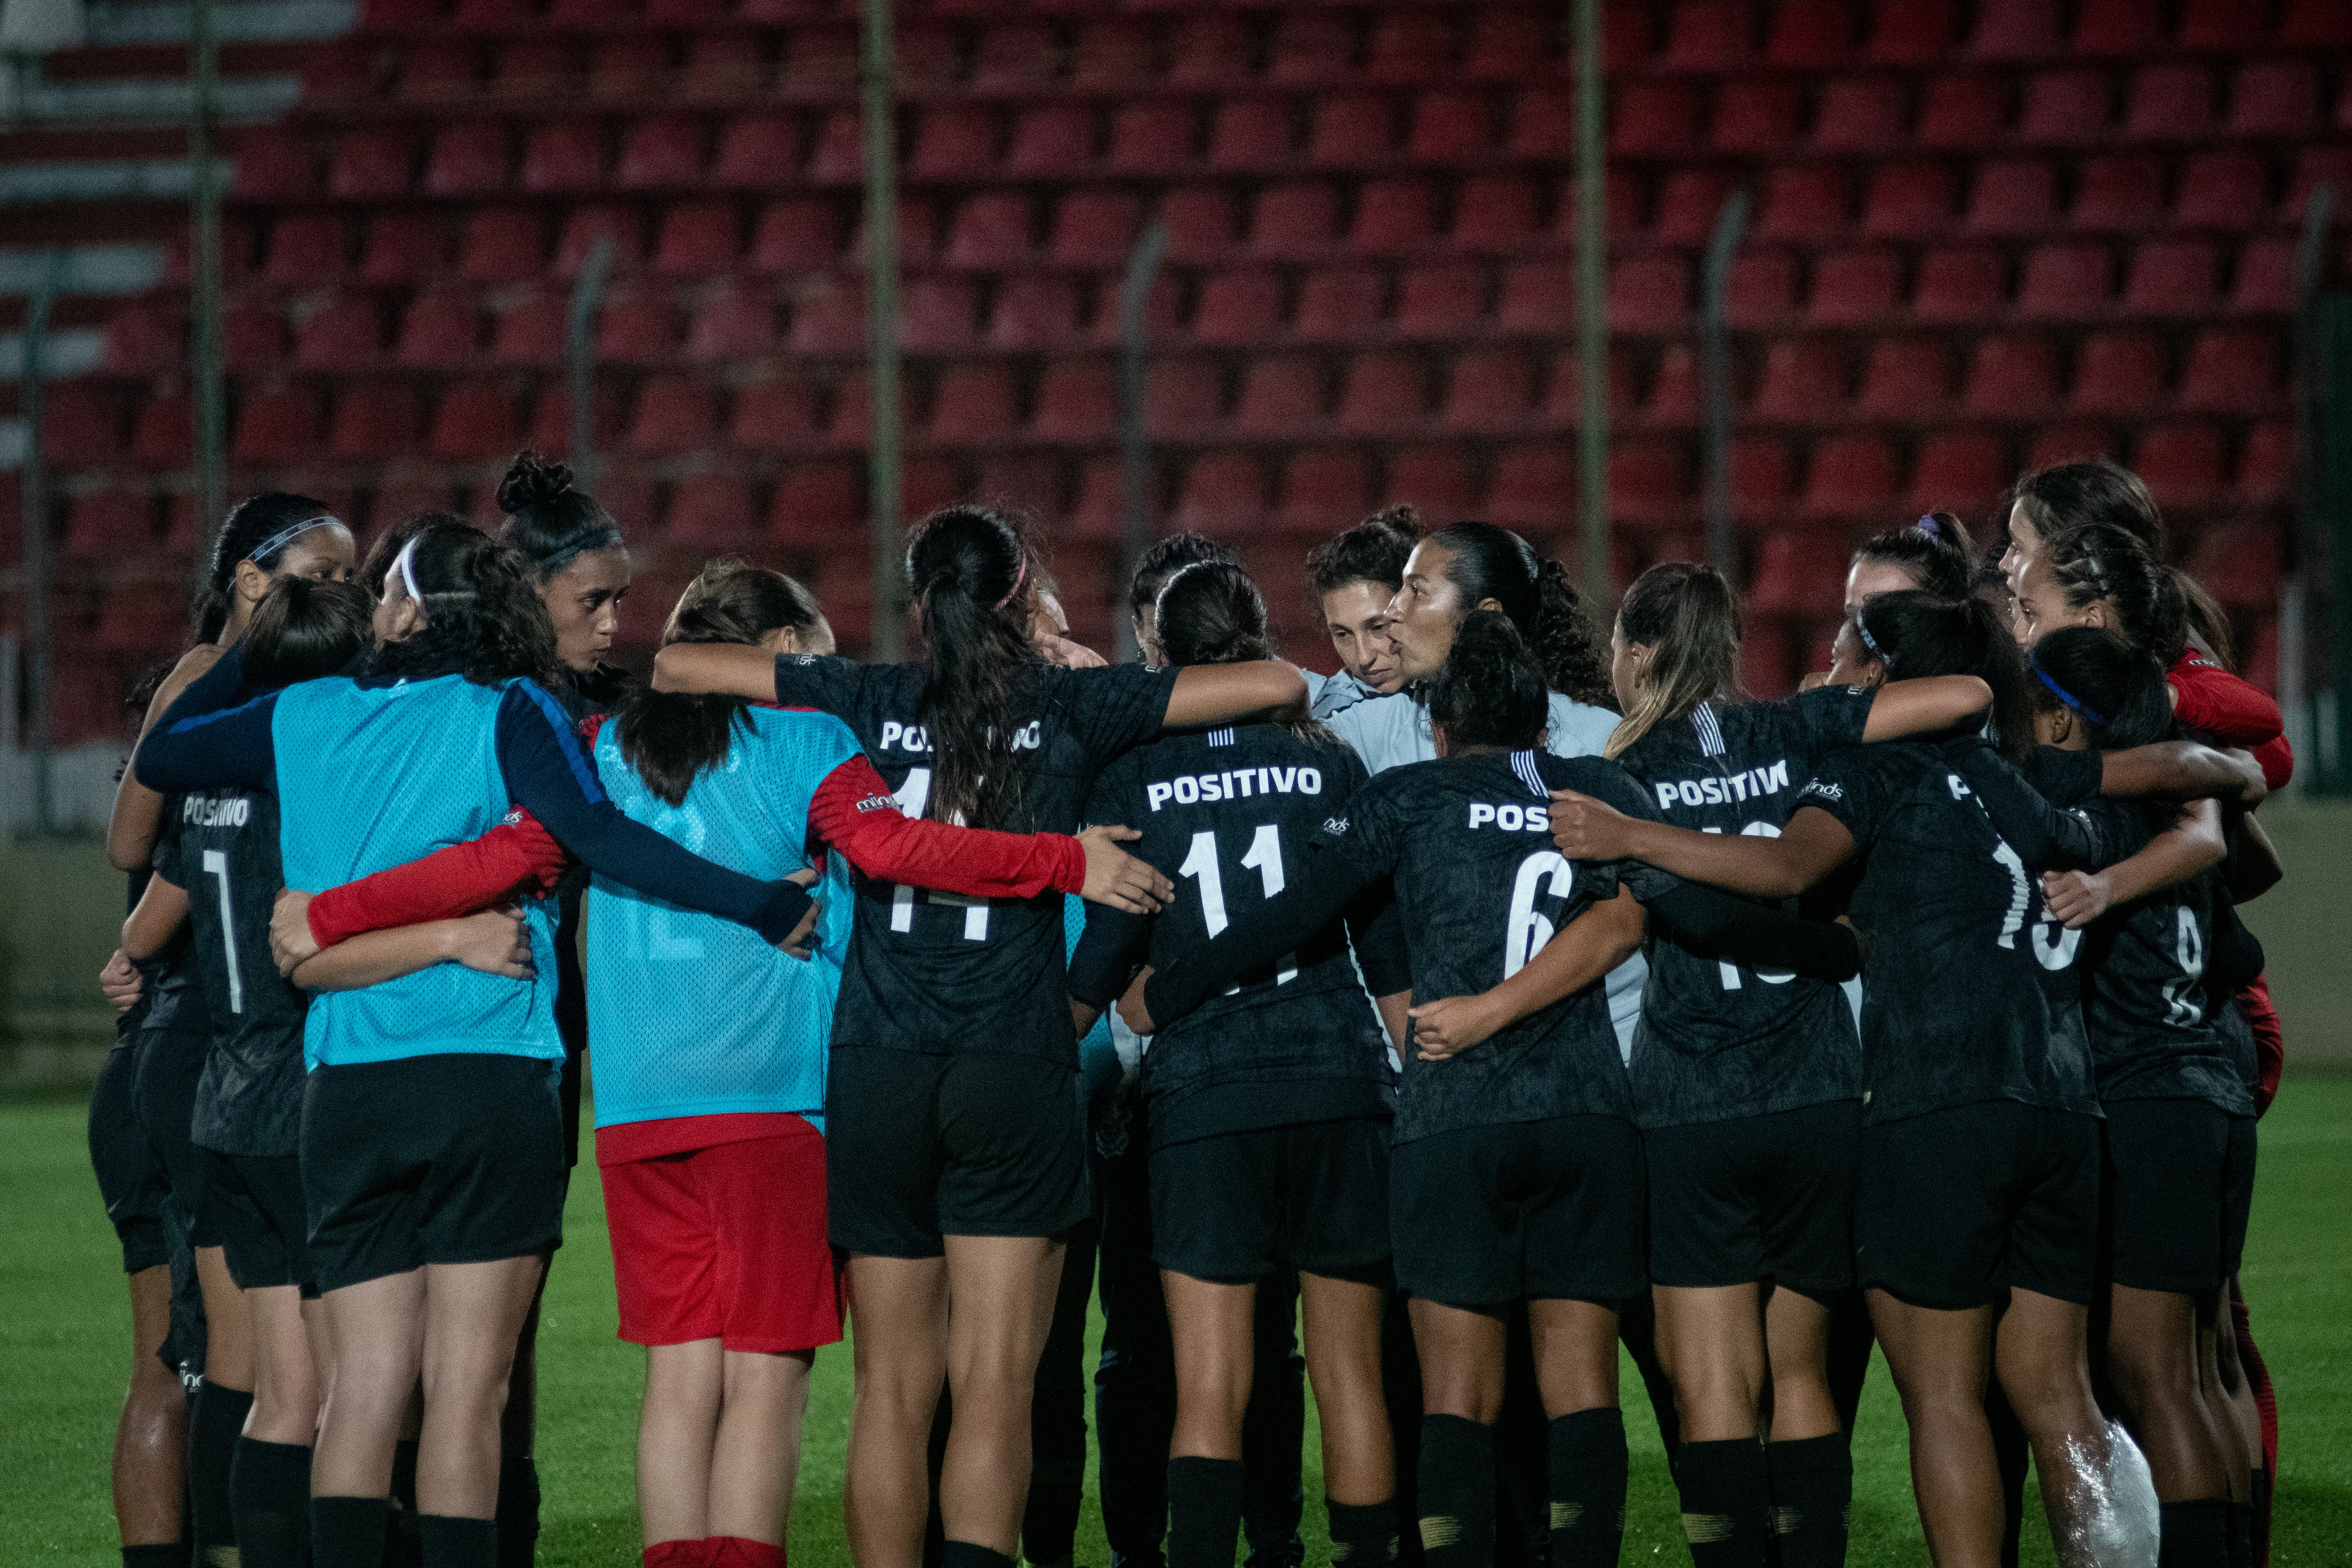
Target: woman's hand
802,943
495,942
1452,1025
2077,897
1131,1008
1118,878
1584,828
120,982
290,941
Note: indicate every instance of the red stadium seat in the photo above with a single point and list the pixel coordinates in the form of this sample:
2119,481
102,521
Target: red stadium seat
528,68
1094,228
1112,54
1282,395
1240,306
938,314
1753,115
531,331
468,160
2239,562
307,249
1563,403
476,419
2016,30
1495,212
1180,398
1799,570
738,321
2315,24
798,234
1034,311
272,428
1408,45
975,403
2265,281
1537,296
776,415
348,334
2222,25
699,239
1763,479
724,67
1961,285
710,509
2120,373
1675,393
1802,201
2013,197
2173,277
2127,27
1533,486
1650,118
1649,293
1805,383
993,230
1861,114
1854,288
2123,190
1760,289
828,317
2181,462
662,152
1908,201
2170,103
2227,189
1337,303
1963,111
1507,44
274,163
1437,480
1223,494
143,337
1351,130
1323,489
374,421
758,150
926,57
1689,204
1052,141
407,248
2064,107
2050,444
1016,55
1153,136
567,155
635,329
2011,377
2274,97
371,163
954,141
1648,480
837,157
816,502
1163,314
1906,379
1910,32
631,69
443,330
1440,299
2266,462
1963,473
1451,126
1852,475
1202,221
1708,35
2316,167
2061,280
1310,48
1250,134
253,339
494,16
1393,216
2231,370
112,525
1491,389
499,245
550,425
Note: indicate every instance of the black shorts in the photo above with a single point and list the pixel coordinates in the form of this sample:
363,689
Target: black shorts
253,1204
2179,1185
171,1060
1955,1207
1237,1207
1756,1197
918,1147
454,1158
130,1175
1541,1211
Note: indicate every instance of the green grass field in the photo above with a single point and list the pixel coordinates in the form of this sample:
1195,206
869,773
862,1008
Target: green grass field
65,1330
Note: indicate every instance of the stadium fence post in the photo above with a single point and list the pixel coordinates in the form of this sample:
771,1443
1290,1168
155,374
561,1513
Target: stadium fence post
1135,457
878,93
1722,541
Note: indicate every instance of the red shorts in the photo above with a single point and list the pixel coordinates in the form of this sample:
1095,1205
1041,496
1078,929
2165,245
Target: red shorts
726,1242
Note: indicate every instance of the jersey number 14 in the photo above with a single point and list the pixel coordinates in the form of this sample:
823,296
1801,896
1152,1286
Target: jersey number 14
912,798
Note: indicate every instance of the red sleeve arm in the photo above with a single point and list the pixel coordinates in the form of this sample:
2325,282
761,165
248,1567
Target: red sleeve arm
518,856
2269,1040
852,812
2222,705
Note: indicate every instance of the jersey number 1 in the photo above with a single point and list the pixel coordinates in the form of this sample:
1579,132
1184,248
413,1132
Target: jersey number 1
1265,858
216,864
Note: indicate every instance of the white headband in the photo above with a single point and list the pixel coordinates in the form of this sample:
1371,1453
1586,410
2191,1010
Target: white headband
403,564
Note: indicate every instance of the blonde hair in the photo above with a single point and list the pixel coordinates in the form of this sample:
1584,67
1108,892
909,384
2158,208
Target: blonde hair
1689,618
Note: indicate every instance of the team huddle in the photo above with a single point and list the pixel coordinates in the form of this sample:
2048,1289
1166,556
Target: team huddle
1520,992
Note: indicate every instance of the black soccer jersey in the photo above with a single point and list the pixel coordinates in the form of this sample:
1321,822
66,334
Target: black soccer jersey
942,974
221,847
1227,815
1466,843
1971,991
1718,1039
2153,1025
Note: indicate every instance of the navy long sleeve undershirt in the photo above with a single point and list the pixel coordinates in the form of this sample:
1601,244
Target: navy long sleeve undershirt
207,739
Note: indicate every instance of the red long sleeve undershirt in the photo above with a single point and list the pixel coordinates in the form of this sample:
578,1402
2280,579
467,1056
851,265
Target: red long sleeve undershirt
2269,1040
2215,702
851,811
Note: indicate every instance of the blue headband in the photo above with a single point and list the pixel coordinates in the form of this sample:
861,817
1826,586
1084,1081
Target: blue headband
286,536
2064,696
595,536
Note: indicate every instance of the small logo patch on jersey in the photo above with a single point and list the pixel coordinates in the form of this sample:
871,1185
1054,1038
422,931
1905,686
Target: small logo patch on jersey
1824,791
1335,826
877,802
513,819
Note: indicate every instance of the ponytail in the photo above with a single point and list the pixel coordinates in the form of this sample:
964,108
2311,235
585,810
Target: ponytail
1935,553
1689,618
2117,692
2099,561
1490,692
1214,614
1913,634
304,630
483,616
1488,563
258,528
966,567
673,738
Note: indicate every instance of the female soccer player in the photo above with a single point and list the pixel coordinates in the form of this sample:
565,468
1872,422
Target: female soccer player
1747,1084
264,538
427,1228
1934,555
954,1155
218,867
1516,1173
1979,1149
1355,576
1269,1110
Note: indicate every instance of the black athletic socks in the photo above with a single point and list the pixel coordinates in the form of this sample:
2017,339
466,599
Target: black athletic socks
2242,1535
347,1532
1205,1512
213,1436
1726,1503
270,1495
1362,1535
2193,1534
518,1512
402,1547
1458,1492
965,1555
453,1543
1812,1488
167,1554
1589,1470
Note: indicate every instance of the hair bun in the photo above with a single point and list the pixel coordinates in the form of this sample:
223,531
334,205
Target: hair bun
532,480
1401,523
